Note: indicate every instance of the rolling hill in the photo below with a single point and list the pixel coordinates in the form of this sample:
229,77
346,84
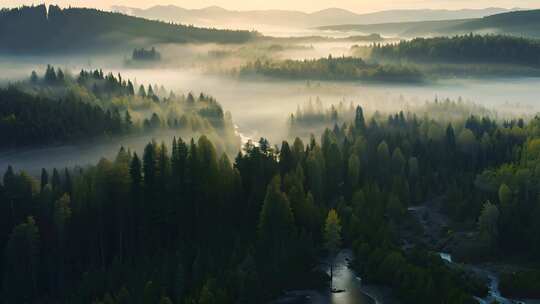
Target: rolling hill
521,23
518,23
37,29
217,16
401,29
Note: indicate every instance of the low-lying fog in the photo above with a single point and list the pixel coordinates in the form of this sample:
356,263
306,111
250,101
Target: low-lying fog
261,107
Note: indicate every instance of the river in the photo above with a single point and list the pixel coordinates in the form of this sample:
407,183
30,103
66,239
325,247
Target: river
345,280
261,108
494,294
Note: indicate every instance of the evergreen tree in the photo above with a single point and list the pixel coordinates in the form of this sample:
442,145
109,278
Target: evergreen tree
60,76
130,88
61,216
142,92
332,238
50,75
275,231
353,167
21,269
359,121
488,223
34,77
286,159
128,123
44,178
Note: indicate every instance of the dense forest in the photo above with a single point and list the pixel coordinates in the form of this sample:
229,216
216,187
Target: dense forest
435,202
29,120
314,118
143,54
494,49
58,107
208,230
338,69
38,29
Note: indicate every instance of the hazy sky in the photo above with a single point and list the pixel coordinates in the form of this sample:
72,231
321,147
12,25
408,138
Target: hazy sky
303,5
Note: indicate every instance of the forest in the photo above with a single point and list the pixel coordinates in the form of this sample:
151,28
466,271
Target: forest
208,229
58,107
42,30
360,166
143,54
332,68
472,48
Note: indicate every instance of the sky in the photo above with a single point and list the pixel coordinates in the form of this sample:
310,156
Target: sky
359,6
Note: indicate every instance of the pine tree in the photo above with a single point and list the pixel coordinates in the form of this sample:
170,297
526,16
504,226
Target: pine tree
150,166
353,168
488,223
286,159
20,282
128,123
359,121
56,183
44,178
50,75
142,92
275,231
60,76
332,238
34,77
130,88
61,216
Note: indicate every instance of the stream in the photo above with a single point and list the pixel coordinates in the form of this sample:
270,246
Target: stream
345,280
494,294
354,292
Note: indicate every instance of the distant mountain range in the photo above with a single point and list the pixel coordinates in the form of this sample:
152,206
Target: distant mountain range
220,17
518,23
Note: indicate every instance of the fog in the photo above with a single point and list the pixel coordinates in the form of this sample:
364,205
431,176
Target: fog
259,107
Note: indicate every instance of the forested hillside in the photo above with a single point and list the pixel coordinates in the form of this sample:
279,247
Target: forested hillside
208,230
29,120
519,23
60,108
494,49
410,29
39,29
332,69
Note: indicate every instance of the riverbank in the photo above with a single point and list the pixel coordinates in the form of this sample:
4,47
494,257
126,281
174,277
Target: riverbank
352,291
381,294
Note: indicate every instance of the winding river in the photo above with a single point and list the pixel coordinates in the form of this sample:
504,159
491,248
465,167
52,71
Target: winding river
345,280
494,294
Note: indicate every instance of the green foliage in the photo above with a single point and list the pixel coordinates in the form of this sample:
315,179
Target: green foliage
338,69
496,49
25,119
332,233
95,104
488,223
143,54
185,224
276,226
522,284
505,195
21,269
